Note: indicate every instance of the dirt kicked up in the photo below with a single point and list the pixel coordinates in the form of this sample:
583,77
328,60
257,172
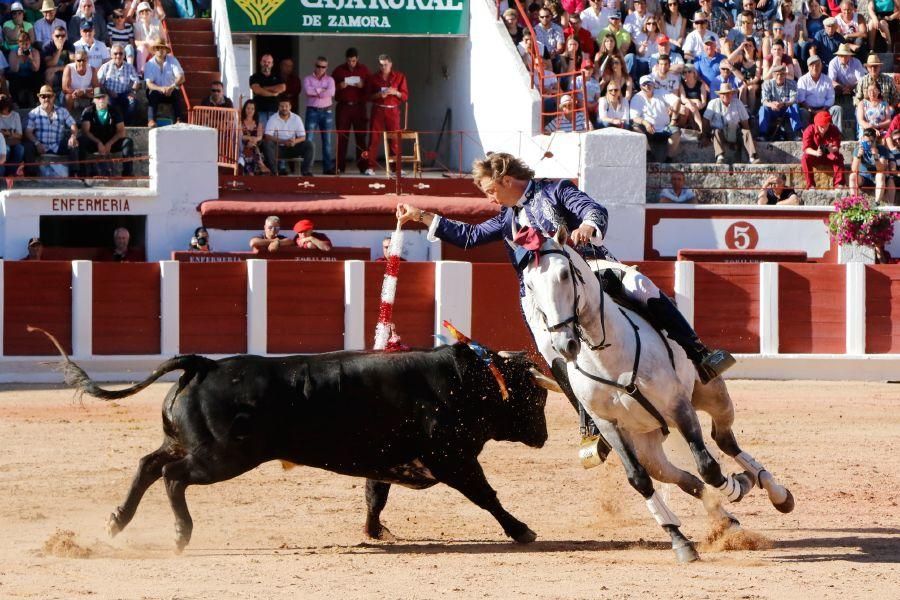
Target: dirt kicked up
298,534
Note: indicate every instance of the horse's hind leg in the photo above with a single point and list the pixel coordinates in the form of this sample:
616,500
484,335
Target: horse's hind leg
715,400
640,480
149,470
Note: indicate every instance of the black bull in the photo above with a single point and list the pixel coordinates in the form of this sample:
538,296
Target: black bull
413,418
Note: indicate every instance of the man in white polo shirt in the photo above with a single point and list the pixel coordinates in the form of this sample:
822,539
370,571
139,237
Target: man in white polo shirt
652,117
285,137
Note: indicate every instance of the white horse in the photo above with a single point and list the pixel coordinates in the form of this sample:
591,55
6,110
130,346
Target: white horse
635,387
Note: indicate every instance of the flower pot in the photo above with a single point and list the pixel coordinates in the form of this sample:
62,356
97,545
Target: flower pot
856,253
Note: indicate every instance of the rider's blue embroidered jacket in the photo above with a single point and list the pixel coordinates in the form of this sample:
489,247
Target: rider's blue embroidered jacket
547,204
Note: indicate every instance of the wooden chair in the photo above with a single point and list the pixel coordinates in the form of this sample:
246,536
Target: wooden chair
414,159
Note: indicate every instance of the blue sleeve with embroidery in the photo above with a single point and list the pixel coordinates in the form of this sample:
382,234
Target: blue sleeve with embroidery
465,235
577,207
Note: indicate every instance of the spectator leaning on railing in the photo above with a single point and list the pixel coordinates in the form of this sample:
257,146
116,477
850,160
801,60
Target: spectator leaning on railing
775,192
318,87
271,238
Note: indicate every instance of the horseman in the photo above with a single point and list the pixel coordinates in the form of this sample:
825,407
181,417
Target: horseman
529,205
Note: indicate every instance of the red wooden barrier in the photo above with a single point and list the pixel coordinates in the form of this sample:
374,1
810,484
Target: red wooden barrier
414,305
662,272
497,319
743,256
811,308
39,294
213,308
305,303
726,305
882,309
126,308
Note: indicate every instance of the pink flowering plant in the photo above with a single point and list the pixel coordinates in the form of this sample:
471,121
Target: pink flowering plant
855,221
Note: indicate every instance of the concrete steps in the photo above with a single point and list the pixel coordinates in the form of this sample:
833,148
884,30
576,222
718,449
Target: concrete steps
193,43
779,153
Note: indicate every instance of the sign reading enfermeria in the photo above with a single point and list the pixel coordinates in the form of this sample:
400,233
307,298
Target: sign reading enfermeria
367,17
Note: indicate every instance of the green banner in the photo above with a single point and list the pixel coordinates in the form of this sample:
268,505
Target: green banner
360,17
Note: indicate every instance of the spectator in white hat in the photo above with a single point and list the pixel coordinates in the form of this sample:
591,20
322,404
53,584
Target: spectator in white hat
845,71
728,120
147,30
652,117
14,26
569,118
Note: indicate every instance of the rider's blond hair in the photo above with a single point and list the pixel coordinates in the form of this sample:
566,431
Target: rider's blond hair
499,164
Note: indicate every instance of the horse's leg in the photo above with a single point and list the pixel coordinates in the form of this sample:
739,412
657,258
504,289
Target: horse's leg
715,400
734,487
648,447
640,480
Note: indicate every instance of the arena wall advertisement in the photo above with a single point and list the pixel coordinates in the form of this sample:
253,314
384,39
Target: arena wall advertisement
357,17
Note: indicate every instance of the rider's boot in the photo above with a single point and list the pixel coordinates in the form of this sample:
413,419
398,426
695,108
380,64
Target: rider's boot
710,363
588,427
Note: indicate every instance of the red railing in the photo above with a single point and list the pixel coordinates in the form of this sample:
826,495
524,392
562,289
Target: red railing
227,122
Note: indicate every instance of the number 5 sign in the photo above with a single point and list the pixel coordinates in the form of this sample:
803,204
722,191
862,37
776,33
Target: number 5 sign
741,235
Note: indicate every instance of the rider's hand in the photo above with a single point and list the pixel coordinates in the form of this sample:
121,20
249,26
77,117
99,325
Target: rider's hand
583,234
408,212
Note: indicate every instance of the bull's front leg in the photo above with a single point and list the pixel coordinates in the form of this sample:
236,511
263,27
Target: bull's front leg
376,498
467,477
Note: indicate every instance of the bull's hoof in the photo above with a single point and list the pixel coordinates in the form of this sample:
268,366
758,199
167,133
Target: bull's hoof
112,526
380,533
526,537
182,538
686,553
788,504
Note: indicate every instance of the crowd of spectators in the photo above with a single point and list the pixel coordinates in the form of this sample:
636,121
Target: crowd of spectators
736,72
349,100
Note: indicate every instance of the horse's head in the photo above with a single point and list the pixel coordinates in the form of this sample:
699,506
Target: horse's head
550,281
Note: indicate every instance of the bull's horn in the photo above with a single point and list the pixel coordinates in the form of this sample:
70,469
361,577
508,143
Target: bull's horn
544,381
511,353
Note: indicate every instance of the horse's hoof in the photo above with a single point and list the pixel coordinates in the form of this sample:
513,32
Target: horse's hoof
788,504
526,537
746,482
686,554
112,526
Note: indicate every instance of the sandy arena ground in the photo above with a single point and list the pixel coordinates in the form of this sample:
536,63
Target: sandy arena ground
297,534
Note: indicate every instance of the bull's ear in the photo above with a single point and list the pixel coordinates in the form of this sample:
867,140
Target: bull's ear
562,235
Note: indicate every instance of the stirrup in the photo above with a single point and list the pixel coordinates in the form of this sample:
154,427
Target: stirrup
714,364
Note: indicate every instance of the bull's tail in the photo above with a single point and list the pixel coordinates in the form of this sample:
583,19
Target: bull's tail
77,378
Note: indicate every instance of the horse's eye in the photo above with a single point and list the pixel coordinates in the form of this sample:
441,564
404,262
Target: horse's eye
564,276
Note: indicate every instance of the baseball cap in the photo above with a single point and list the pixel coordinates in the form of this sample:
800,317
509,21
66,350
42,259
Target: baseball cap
813,59
663,39
615,15
646,79
86,25
16,6
303,225
709,38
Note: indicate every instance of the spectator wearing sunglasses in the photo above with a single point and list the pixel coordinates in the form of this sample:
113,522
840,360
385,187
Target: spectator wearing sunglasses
318,87
44,28
217,97
78,83
120,31
57,54
120,81
97,51
46,131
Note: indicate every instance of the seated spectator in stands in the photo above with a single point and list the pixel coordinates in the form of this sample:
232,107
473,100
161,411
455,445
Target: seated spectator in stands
740,34
569,119
511,21
815,20
646,44
217,97
120,81
57,53
11,127
636,18
551,35
569,61
595,17
747,64
870,163
120,31
665,47
575,30
285,137
853,27
16,25
271,239
666,85
815,92
87,14
102,133
673,23
696,40
44,28
677,194
725,117
725,75
613,73
822,148
873,112
97,51
164,77
845,71
652,117
707,64
386,251
780,57
525,48
885,82
121,250
266,86
775,191
826,42
880,14
147,31
252,130
200,240
293,85
721,20
760,18
779,102
776,34
694,96
35,249
587,90
78,82
23,74
308,238
622,38
613,110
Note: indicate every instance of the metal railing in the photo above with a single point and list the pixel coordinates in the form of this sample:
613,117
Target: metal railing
227,123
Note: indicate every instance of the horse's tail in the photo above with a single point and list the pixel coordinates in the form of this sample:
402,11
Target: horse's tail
77,378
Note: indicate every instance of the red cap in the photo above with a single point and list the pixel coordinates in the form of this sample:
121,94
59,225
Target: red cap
663,39
587,63
822,118
303,225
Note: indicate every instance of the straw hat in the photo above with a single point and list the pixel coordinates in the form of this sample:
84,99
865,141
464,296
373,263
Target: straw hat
844,50
48,5
873,60
726,89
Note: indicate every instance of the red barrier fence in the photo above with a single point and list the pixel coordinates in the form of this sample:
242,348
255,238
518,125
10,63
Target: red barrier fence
413,308
305,307
811,309
126,308
882,309
39,294
726,305
213,308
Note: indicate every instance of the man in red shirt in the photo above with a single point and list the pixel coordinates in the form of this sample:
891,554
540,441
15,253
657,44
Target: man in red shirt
292,83
350,80
387,91
822,147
